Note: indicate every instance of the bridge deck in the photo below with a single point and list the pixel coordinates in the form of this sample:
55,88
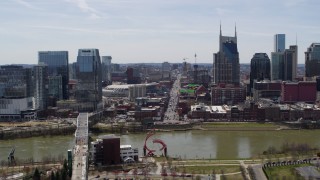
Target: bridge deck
80,151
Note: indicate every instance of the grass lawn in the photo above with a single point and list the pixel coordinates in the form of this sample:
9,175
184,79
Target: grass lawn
234,177
25,124
209,169
288,172
190,162
238,125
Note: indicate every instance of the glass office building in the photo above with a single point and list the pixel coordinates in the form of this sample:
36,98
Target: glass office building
279,42
226,67
260,68
57,62
312,60
89,88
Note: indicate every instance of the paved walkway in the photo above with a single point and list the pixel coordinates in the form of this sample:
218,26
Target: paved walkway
258,172
80,151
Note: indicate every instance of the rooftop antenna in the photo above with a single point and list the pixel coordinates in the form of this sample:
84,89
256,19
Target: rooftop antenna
296,39
220,29
235,29
195,58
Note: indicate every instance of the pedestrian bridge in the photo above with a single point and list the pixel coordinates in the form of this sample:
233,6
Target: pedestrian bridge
80,150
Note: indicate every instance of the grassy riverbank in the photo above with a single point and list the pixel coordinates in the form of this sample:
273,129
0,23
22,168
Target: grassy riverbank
239,126
284,172
13,130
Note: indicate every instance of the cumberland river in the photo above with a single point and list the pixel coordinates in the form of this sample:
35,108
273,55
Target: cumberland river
184,144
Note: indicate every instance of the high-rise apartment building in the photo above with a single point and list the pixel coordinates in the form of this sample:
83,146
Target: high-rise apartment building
57,62
226,67
260,68
16,91
89,89
312,60
279,42
40,78
106,69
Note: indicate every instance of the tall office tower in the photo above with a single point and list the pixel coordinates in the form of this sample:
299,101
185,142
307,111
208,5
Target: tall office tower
133,75
40,76
279,42
312,60
260,68
57,62
73,70
290,63
226,67
16,93
284,64
277,65
106,68
89,88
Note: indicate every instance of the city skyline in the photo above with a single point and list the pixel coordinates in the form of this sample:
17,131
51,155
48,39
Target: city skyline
152,31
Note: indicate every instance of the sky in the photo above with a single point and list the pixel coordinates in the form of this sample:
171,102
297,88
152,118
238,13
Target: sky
146,31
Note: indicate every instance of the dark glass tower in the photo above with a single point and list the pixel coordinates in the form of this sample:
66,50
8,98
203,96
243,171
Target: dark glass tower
279,42
89,88
15,82
57,62
284,64
260,68
312,60
226,67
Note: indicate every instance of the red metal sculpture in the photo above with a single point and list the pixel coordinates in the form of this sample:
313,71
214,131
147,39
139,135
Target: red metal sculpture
151,151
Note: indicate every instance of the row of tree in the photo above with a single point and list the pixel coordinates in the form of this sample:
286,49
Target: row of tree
291,148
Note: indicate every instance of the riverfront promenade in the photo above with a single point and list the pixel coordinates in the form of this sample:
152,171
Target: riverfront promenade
80,151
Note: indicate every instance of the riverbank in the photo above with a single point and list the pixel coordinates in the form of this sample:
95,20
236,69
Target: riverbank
13,130
33,132
32,129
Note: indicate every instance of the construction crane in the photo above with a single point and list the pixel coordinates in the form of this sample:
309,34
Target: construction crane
184,59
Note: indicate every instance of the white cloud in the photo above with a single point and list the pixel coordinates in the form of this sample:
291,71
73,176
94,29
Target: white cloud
84,7
26,4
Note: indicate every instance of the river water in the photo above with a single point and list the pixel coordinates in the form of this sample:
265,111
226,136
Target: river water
184,144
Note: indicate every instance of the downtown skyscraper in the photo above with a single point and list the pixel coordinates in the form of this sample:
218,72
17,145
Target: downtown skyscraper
89,89
226,67
40,77
58,72
259,68
312,60
106,69
279,42
283,61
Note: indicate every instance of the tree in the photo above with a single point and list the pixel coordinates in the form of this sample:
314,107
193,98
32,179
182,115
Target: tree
63,174
57,177
52,176
135,172
36,175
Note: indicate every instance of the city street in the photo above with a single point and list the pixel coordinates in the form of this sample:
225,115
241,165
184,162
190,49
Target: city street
171,116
